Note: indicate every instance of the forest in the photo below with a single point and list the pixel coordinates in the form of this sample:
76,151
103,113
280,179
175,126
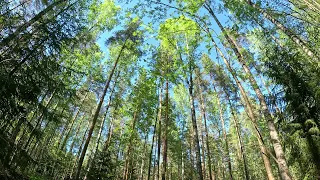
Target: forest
159,89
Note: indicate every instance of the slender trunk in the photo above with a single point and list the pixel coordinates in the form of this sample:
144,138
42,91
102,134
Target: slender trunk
191,143
93,156
128,154
238,131
143,156
155,159
249,110
165,136
204,116
80,148
39,121
273,100
23,27
193,115
153,137
224,133
194,125
72,122
295,38
203,152
282,164
182,148
96,114
159,134
77,132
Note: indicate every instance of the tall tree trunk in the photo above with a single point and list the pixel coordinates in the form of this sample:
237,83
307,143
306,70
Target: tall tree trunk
159,134
275,140
249,110
295,38
72,122
80,149
94,153
203,151
154,136
165,135
238,131
96,114
194,125
77,132
224,133
204,116
143,156
39,120
23,27
128,154
193,114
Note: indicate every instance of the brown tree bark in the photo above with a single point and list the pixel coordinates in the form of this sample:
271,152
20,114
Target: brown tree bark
165,135
224,133
73,121
249,110
96,114
159,134
23,27
194,125
275,140
128,154
153,137
295,38
204,116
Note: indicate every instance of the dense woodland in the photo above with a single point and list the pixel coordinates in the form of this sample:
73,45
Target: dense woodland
150,89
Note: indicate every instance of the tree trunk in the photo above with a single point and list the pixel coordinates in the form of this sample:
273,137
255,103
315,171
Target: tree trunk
249,110
143,156
77,132
72,122
295,38
23,27
194,125
165,136
80,147
128,154
153,137
39,121
238,131
96,114
224,133
204,116
159,134
282,164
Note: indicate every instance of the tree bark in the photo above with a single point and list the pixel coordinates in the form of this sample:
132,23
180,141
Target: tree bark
224,133
23,27
194,125
159,134
153,137
204,116
295,38
72,122
96,114
238,131
275,140
77,132
249,110
165,136
128,154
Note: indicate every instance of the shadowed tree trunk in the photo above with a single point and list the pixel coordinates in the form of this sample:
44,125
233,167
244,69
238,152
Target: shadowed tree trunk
282,164
97,111
204,116
249,110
